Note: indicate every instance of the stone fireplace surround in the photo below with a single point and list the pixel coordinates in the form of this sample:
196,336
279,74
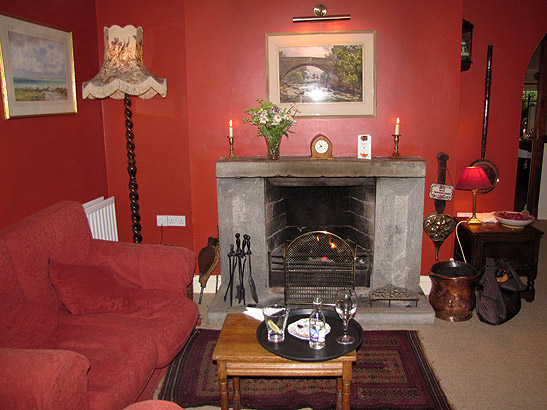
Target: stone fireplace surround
242,186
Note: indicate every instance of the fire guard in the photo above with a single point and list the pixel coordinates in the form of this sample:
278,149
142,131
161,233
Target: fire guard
317,263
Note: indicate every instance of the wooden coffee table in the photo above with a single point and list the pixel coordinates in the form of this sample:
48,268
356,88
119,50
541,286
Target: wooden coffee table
238,353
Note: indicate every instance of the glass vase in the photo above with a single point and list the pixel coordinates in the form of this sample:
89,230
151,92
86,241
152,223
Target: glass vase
273,148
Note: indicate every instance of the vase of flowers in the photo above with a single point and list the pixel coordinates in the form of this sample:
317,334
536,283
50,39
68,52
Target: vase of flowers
272,123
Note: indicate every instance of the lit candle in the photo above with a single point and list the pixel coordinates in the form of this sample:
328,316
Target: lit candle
231,129
397,127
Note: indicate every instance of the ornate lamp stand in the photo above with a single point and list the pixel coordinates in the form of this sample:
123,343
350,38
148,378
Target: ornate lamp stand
123,74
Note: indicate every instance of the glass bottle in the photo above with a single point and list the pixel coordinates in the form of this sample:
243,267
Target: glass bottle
317,326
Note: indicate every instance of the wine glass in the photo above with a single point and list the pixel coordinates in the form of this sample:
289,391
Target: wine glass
346,305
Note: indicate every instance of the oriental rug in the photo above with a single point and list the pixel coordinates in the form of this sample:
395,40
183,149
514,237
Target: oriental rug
391,372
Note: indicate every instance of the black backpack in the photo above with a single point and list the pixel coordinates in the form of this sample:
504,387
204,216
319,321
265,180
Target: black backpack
497,292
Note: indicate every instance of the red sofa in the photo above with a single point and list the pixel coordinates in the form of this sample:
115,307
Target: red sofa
86,323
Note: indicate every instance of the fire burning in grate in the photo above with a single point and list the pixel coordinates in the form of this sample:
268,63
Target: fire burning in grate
317,264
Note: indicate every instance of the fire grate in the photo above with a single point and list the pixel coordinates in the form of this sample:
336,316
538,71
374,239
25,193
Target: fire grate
317,263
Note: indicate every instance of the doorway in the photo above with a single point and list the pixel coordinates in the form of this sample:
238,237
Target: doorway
532,136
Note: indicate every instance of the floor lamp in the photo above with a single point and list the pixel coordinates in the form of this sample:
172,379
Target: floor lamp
122,75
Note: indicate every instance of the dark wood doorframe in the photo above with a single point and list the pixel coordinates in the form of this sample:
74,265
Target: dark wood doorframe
540,137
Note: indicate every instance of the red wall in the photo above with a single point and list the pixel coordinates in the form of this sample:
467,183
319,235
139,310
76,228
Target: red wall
44,160
418,79
514,29
418,69
213,56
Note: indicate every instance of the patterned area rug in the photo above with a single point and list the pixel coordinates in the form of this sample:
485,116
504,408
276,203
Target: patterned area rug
391,372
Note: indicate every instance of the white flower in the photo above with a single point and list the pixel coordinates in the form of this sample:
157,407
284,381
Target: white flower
270,117
276,119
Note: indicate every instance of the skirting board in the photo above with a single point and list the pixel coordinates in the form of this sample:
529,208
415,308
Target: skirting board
210,287
425,284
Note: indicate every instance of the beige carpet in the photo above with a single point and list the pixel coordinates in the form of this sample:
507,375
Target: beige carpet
495,367
483,367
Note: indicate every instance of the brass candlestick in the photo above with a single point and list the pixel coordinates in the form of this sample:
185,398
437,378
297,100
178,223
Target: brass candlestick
396,154
232,155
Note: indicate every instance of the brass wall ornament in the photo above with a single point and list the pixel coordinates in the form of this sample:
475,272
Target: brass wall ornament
438,226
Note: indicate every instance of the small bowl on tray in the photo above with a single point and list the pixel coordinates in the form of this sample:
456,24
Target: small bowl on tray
514,220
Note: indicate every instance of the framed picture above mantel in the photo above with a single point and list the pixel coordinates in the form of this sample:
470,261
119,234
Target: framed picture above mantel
37,69
327,74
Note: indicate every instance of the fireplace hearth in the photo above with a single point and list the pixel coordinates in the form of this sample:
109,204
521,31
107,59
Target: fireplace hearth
376,205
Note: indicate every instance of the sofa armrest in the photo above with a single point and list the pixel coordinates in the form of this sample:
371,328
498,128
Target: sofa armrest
43,379
165,268
153,405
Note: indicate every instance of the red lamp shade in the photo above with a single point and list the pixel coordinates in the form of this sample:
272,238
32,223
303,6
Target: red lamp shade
473,178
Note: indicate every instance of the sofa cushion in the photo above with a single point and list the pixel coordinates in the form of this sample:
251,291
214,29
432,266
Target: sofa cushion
167,268
89,289
24,324
165,317
121,361
60,231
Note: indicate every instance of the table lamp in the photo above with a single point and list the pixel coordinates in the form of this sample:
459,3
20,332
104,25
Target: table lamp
473,179
123,74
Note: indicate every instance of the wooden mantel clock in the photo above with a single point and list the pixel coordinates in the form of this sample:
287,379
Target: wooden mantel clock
321,147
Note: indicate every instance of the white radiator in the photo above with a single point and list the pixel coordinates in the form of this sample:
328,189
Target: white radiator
101,214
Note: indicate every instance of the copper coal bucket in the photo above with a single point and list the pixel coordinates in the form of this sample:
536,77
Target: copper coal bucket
451,294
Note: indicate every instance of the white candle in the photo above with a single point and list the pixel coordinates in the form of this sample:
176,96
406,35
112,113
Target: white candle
231,129
397,127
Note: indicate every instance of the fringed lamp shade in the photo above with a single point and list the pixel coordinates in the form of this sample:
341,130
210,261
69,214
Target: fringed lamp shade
123,74
123,71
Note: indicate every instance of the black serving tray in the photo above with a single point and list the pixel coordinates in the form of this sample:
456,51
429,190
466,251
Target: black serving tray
297,349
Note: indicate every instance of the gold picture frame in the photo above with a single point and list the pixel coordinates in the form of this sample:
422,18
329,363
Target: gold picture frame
36,68
327,74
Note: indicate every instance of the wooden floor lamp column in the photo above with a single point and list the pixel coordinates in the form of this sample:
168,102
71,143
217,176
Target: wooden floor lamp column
122,75
132,171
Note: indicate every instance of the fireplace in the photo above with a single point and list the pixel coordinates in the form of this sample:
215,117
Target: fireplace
375,204
343,206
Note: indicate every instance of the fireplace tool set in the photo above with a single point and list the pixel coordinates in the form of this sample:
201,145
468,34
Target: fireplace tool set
237,260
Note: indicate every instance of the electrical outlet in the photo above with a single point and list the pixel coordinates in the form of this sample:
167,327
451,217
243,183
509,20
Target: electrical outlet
171,220
176,220
161,220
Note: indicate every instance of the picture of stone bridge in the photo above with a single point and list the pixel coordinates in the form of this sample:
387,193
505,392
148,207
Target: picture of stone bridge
330,74
287,64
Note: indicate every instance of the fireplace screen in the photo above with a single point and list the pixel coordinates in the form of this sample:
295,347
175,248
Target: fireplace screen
317,263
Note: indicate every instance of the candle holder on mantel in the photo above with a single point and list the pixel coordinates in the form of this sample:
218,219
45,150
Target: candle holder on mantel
231,140
396,154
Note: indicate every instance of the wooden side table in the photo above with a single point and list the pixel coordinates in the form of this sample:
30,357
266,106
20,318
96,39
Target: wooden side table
238,353
492,240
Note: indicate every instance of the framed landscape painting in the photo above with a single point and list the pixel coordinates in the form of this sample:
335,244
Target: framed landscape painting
327,74
37,69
